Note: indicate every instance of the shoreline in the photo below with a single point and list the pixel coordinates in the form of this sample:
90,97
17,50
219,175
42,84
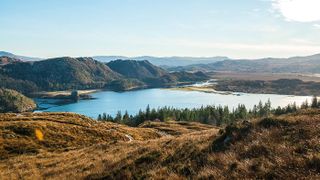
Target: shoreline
60,98
227,87
55,94
202,89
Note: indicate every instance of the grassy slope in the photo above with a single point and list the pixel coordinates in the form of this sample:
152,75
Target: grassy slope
62,132
61,73
285,146
13,101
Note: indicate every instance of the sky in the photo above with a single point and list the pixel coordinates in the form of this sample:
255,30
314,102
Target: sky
200,28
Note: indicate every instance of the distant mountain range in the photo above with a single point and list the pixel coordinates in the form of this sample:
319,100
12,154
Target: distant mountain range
299,64
158,61
23,58
165,61
305,64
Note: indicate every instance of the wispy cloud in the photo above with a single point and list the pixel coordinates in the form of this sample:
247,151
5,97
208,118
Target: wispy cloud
298,10
239,50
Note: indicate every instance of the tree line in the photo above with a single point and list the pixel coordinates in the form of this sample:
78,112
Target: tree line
214,115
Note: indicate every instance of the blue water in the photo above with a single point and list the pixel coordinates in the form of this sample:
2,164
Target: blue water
111,102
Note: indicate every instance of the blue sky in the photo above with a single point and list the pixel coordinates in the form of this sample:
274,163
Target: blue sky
234,28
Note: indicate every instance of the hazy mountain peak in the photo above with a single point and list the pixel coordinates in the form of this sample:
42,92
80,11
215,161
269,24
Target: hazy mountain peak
4,53
23,58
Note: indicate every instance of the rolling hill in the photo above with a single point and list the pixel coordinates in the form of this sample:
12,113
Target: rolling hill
165,61
151,75
136,69
66,73
298,64
62,73
12,101
63,145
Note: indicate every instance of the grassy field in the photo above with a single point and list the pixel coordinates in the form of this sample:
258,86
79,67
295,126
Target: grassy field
76,147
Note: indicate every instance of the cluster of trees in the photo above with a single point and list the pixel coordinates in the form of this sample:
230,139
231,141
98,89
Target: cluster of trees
216,115
23,86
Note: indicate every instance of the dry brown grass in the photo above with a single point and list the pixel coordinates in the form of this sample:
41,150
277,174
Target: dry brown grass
175,128
286,147
61,132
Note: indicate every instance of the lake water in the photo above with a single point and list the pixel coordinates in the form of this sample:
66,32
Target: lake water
111,102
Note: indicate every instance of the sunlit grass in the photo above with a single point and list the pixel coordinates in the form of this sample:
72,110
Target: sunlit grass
77,147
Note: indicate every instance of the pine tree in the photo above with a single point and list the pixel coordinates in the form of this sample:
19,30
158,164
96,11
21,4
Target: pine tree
148,112
104,116
305,105
255,111
314,103
267,108
294,107
99,117
125,118
110,118
260,109
118,117
278,111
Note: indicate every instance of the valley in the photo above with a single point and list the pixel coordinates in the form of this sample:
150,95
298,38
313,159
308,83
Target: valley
159,90
85,121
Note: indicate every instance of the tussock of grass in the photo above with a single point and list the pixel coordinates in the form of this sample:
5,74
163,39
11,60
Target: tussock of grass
284,147
176,128
270,122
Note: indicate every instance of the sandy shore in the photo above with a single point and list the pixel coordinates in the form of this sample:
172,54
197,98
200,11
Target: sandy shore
64,93
200,89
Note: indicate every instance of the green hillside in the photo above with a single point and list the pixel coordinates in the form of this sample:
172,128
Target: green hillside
62,73
68,73
136,69
12,101
151,75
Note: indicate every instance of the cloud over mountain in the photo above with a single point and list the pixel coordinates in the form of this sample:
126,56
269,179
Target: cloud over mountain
298,10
